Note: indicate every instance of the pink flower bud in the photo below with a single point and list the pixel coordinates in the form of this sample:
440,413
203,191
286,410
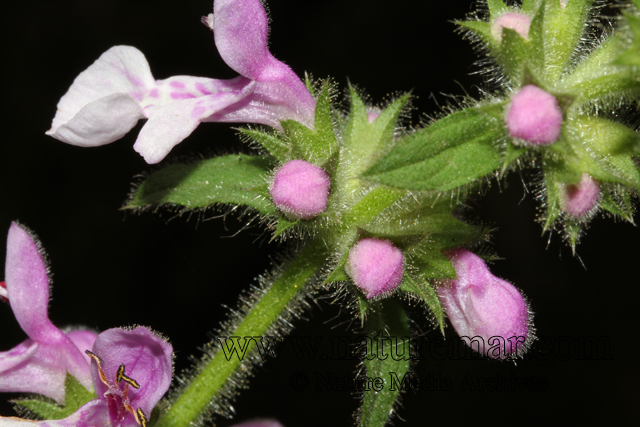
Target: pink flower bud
518,22
301,190
375,266
578,199
372,116
488,313
534,116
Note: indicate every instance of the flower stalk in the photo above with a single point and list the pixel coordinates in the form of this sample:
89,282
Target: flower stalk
260,320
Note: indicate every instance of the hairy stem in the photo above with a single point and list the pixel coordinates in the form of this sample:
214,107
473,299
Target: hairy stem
268,309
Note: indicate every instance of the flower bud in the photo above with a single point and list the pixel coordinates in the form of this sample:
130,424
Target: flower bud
488,313
301,190
375,266
578,199
534,116
518,22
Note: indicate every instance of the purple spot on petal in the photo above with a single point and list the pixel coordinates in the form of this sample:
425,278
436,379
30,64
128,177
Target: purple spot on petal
203,89
154,93
137,95
181,95
177,85
197,112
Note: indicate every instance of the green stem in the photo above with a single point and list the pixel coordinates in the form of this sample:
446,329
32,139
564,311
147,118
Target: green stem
212,378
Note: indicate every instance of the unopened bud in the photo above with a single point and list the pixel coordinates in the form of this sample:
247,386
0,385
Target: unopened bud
375,266
488,313
301,190
518,22
534,116
578,199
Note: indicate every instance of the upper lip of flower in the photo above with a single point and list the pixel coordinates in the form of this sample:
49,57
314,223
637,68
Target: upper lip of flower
106,100
40,363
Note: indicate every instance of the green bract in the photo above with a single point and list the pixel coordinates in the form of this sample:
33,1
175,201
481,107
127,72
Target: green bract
592,77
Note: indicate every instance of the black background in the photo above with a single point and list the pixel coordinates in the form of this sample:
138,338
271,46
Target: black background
177,274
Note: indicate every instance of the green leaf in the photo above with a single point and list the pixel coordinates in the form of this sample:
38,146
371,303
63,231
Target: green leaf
530,6
482,30
452,152
496,7
324,123
563,28
632,55
338,274
611,146
365,142
514,53
442,230
431,263
372,204
235,179
278,148
387,359
423,290
621,207
283,225
317,146
75,396
552,204
511,155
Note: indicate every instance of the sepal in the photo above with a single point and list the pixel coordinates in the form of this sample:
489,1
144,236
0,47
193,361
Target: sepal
75,397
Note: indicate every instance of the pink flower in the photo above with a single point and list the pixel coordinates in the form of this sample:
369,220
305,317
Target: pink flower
39,364
534,116
518,22
579,199
108,98
131,371
300,189
375,266
488,313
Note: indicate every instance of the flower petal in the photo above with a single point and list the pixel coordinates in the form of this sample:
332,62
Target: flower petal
241,31
101,104
168,125
83,340
33,367
28,285
92,414
38,365
482,305
147,358
100,122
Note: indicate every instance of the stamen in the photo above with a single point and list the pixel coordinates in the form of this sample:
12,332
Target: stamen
141,418
133,383
120,374
98,361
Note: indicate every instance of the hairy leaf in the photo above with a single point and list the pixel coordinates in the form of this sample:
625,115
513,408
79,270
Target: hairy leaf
234,179
75,396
